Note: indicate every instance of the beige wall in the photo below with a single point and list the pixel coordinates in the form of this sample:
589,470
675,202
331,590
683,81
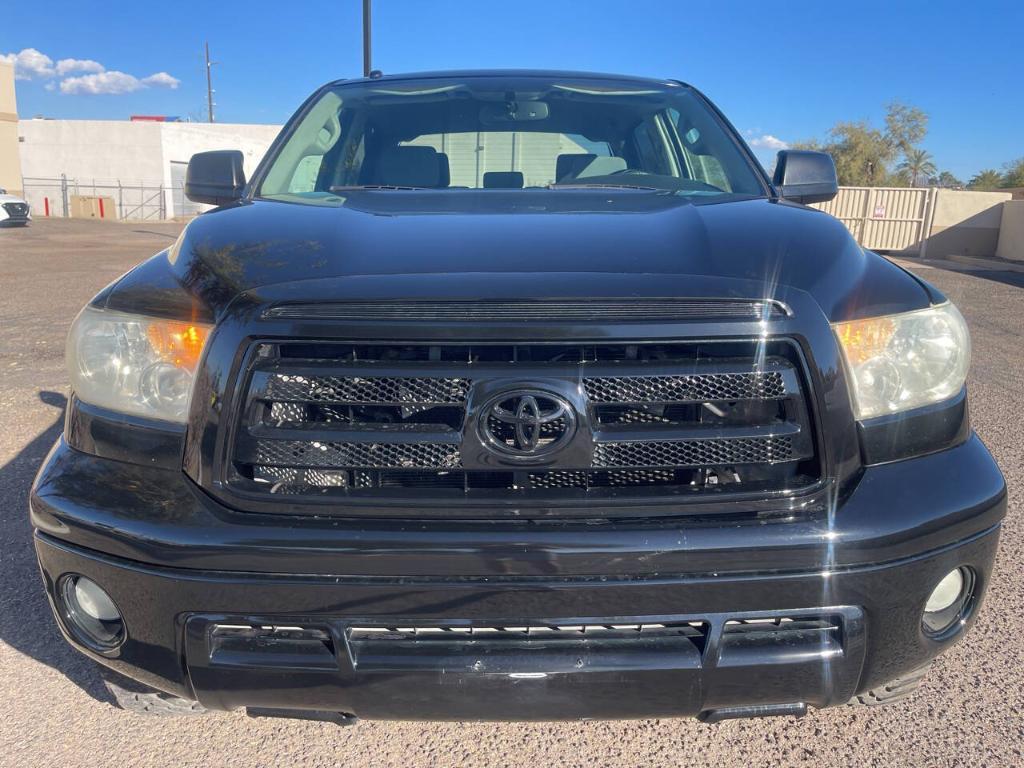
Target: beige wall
10,162
1011,231
965,223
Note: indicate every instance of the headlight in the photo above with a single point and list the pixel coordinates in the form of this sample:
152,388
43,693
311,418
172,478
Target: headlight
133,364
905,361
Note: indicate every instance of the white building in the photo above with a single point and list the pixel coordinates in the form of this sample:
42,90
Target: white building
141,165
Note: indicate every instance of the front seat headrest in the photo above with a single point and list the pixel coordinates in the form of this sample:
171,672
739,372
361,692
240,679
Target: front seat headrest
408,167
444,173
503,180
569,166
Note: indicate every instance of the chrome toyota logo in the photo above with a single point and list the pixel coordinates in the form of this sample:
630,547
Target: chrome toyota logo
526,423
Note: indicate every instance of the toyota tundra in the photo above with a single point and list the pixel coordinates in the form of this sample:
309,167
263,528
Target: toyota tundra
515,395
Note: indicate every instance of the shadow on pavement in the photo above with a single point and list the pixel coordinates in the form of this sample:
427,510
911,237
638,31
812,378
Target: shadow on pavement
1015,279
26,622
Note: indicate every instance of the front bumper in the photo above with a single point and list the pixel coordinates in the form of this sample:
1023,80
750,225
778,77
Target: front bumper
178,567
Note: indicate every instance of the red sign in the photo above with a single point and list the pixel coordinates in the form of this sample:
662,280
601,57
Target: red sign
879,212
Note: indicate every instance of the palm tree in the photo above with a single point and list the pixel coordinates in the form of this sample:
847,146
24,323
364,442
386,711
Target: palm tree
917,163
987,180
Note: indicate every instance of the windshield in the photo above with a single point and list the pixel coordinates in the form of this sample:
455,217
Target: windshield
507,133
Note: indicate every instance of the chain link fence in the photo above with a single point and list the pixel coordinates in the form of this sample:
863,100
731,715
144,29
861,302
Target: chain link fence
140,201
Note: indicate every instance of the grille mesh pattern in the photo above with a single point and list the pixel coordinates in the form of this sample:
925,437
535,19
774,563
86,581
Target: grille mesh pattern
558,479
612,479
300,453
320,478
358,421
694,453
16,209
377,390
697,388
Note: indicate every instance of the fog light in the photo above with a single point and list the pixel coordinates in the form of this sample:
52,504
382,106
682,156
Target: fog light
90,614
949,602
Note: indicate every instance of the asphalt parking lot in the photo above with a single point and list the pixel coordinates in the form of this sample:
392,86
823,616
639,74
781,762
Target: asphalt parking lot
54,710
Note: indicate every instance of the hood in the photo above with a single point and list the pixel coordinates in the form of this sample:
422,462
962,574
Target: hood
5,198
600,243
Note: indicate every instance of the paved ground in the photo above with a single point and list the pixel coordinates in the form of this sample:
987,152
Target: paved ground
53,710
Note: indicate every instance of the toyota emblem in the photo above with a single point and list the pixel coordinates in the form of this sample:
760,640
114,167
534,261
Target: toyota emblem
526,423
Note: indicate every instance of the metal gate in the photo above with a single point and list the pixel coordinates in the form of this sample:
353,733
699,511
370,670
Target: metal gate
884,218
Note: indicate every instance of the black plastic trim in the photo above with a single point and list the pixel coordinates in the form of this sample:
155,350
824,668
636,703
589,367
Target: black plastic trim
122,437
917,432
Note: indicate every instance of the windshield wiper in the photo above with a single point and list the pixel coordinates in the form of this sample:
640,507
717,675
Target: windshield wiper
361,187
581,185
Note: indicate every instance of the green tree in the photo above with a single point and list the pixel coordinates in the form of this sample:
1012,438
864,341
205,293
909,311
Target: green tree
1014,176
905,126
917,163
898,178
948,181
864,154
861,153
986,181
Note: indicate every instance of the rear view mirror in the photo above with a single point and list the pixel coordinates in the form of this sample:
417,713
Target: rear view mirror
216,177
514,112
805,177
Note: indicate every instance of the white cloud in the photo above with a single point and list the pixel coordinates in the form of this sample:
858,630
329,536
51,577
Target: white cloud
114,82
101,82
66,66
767,141
95,78
29,63
162,80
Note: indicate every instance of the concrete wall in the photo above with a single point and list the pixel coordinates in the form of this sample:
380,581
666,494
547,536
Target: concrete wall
965,223
1011,231
132,153
143,154
104,151
10,160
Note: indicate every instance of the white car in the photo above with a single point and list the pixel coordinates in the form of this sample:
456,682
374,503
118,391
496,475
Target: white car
13,210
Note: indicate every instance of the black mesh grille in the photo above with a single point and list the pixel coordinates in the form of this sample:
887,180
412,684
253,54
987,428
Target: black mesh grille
694,453
686,389
366,389
316,453
16,210
362,422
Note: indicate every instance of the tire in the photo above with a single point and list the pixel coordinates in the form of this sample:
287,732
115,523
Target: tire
143,700
894,691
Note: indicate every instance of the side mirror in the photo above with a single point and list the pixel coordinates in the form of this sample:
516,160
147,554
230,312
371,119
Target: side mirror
215,177
805,177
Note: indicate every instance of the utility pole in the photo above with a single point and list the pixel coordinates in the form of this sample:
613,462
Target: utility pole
367,68
209,85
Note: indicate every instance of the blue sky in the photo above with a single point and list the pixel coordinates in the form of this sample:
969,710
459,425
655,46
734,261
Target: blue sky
781,71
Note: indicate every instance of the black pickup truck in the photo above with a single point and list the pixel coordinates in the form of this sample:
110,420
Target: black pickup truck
515,395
